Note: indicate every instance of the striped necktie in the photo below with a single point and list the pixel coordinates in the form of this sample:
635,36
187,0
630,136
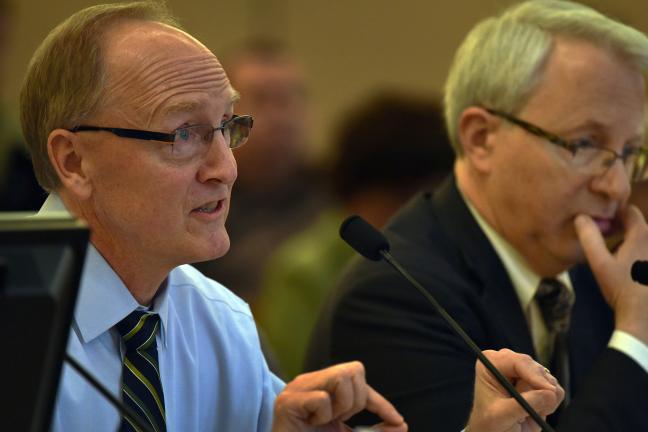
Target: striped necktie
555,301
141,385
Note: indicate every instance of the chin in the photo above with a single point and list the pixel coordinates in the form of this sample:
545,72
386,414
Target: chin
573,256
214,250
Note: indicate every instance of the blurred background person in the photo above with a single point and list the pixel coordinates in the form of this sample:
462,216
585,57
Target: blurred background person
19,189
386,149
276,192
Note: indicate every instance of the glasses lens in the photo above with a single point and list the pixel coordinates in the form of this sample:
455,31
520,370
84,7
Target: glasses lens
190,141
591,160
239,131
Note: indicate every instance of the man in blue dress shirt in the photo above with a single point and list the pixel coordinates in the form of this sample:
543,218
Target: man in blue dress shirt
118,108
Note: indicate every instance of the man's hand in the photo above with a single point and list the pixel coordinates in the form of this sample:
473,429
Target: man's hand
494,410
627,298
323,400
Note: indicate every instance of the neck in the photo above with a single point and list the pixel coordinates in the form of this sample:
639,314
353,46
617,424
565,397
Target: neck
472,188
142,275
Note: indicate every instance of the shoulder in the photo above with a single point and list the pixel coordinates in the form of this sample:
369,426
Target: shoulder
188,285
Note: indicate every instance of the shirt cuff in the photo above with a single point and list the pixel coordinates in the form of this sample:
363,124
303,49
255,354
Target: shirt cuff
630,346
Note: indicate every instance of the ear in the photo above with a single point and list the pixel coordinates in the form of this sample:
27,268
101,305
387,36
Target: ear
66,156
475,134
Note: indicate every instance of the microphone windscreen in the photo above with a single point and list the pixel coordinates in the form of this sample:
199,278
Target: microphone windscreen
639,272
363,237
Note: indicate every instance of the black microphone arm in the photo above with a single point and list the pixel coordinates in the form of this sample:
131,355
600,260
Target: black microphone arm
372,244
639,272
123,409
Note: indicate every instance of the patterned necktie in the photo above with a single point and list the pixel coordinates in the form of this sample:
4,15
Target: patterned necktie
141,385
555,301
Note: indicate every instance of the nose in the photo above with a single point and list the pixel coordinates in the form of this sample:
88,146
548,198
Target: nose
614,183
218,163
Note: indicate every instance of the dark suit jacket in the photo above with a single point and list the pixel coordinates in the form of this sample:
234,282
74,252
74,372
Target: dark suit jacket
418,363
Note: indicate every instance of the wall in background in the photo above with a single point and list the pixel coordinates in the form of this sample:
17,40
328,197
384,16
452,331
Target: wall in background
349,48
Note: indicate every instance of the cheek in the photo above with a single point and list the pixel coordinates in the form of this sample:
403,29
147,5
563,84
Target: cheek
144,191
538,193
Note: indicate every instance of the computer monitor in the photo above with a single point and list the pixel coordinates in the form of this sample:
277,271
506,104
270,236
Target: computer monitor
40,266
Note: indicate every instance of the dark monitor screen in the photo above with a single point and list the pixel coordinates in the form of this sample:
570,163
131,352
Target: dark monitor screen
40,267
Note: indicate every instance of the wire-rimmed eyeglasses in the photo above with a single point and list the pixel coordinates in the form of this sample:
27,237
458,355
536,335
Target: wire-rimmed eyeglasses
587,156
187,141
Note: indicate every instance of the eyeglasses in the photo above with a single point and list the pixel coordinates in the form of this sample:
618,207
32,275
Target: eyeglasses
587,156
187,141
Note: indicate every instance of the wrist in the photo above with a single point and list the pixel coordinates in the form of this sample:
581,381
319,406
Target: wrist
635,329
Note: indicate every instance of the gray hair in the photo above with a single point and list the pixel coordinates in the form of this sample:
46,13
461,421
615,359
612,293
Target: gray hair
501,60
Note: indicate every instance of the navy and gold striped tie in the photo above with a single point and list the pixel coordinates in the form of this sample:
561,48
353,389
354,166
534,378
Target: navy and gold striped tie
141,385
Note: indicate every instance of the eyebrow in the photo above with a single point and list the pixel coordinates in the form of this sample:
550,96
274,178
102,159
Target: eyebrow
181,107
603,129
236,96
188,106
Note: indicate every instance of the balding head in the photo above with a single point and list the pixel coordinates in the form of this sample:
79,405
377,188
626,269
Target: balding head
148,64
65,78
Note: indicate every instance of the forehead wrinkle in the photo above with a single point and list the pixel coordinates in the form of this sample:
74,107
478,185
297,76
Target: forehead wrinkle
171,76
159,80
188,106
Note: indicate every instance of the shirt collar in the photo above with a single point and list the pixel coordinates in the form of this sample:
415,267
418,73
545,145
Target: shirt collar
524,280
53,206
103,299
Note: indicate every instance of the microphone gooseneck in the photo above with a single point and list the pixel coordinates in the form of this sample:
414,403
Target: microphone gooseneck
639,272
123,409
372,244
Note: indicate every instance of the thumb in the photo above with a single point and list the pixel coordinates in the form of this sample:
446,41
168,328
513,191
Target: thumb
543,401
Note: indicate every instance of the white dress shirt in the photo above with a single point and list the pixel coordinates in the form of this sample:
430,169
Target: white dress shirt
213,373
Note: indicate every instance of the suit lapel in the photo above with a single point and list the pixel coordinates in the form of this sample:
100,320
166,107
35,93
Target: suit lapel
497,295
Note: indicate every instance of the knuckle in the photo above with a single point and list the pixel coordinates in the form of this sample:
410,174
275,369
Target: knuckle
526,358
282,401
351,369
357,368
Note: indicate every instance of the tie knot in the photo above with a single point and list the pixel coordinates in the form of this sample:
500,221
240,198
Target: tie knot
555,301
138,329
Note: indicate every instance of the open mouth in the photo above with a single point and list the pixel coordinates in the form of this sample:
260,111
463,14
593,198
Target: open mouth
210,208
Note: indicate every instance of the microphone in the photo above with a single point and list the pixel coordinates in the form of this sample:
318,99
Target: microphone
639,272
372,244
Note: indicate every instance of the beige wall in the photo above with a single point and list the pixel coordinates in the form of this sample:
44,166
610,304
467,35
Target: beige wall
349,48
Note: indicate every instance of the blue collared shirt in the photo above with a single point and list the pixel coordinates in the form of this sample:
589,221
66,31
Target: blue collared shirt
213,373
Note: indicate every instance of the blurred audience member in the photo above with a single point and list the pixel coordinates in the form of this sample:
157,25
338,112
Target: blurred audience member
19,189
386,150
275,193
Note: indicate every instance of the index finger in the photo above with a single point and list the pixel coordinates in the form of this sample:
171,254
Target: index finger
591,240
380,406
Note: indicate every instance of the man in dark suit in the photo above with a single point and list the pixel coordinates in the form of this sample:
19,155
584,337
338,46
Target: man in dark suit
524,207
